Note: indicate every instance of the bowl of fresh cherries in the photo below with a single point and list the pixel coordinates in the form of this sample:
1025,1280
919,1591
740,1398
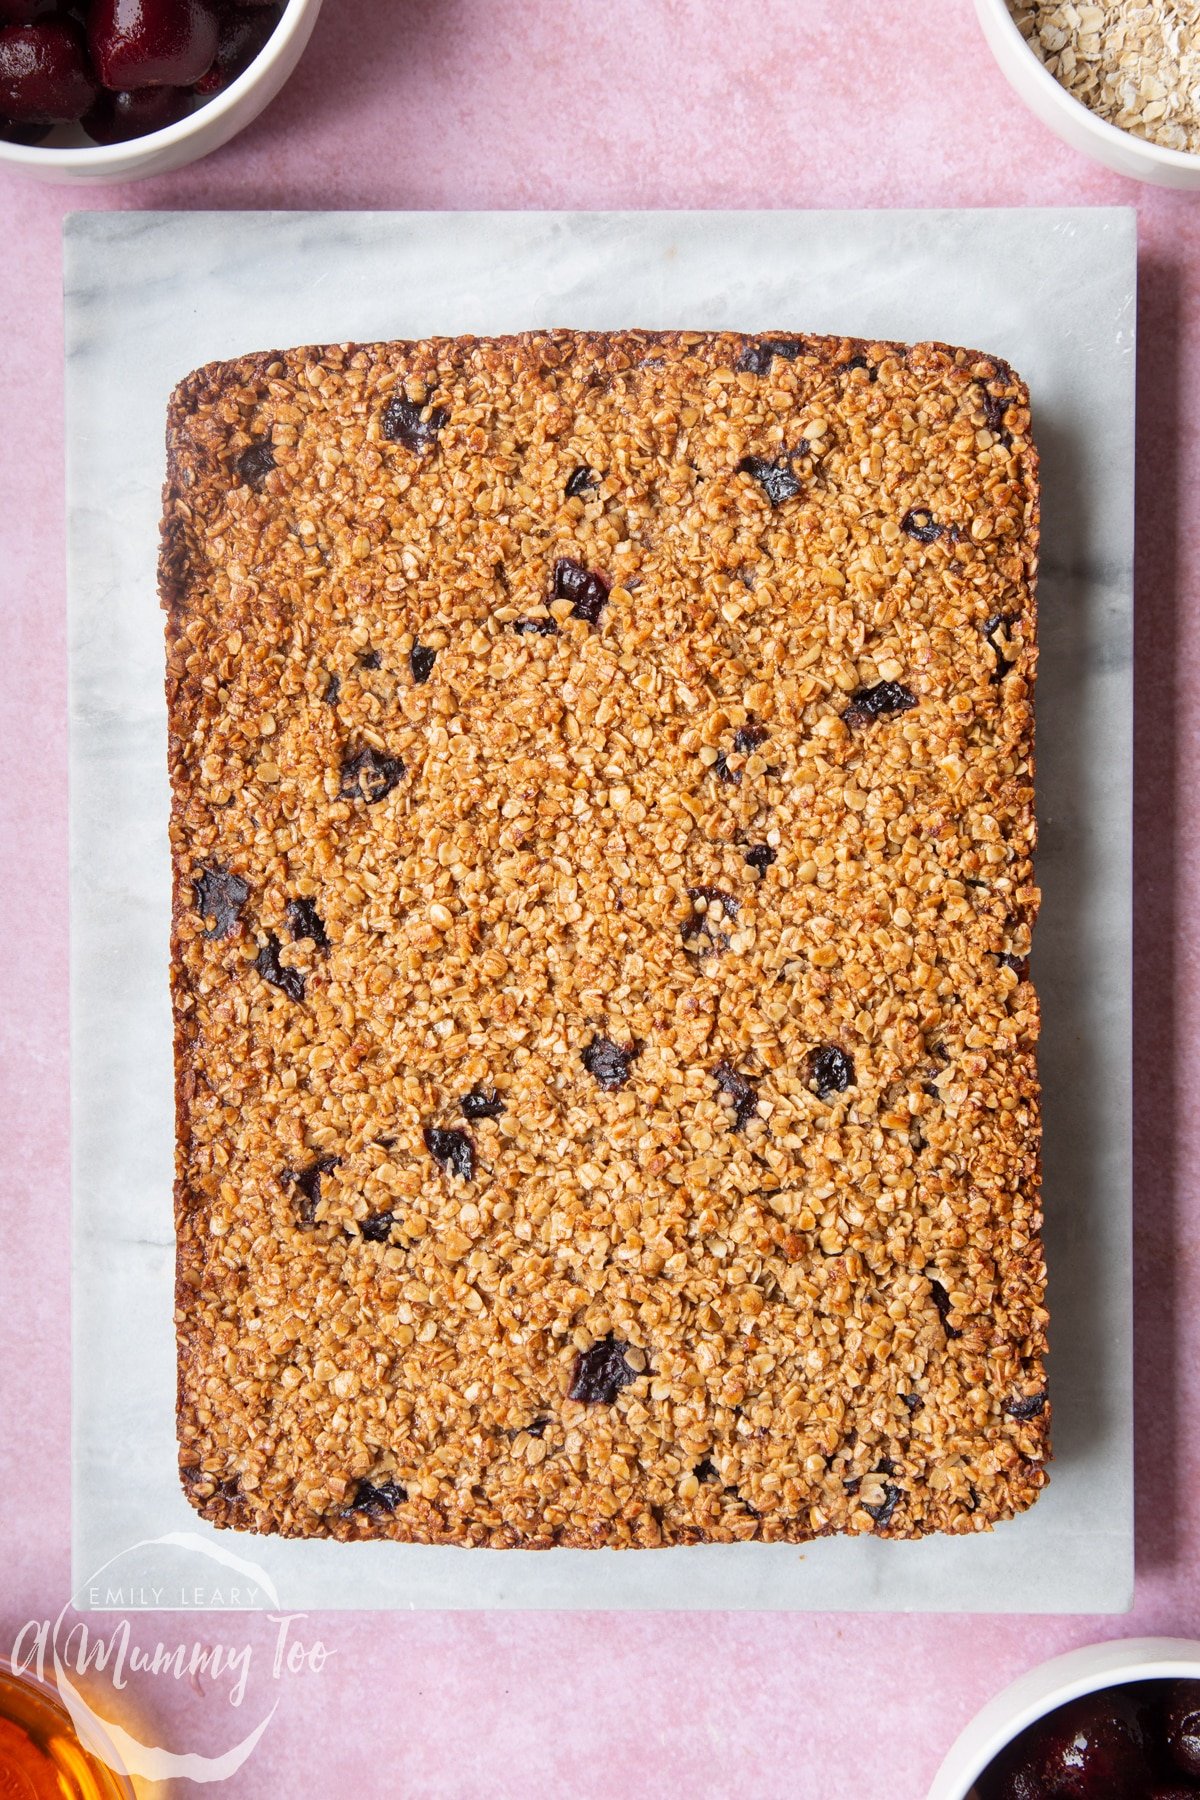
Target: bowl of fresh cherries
108,90
1115,1721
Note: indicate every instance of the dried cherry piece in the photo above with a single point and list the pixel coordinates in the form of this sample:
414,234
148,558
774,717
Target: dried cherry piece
333,688
203,1478
702,938
878,702
267,962
220,896
859,362
482,1103
582,481
370,659
912,1401
723,772
134,113
919,523
378,1228
368,776
304,921
995,409
421,660
452,1148
941,1301
1181,1721
892,1496
740,1089
607,1063
256,460
584,588
830,1071
539,627
1018,964
307,1184
775,479
748,738
225,1487
756,358
991,630
760,857
152,43
44,74
600,1373
1025,1406
243,33
536,1427
714,896
377,1497
404,422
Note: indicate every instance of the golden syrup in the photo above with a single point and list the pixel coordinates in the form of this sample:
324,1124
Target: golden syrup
41,1758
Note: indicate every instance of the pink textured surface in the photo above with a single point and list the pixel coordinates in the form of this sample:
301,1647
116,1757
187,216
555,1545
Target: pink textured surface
681,103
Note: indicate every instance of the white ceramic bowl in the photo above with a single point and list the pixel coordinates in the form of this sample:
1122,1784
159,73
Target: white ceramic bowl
1051,1684
1075,123
68,156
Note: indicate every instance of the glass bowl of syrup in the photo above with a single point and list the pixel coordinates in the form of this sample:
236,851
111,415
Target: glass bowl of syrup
41,1756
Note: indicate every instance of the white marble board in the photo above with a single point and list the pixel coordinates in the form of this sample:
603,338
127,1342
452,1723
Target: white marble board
151,295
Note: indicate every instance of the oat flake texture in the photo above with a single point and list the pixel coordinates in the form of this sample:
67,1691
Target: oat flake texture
1135,63
820,1306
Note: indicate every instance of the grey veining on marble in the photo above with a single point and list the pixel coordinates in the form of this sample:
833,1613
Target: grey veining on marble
150,296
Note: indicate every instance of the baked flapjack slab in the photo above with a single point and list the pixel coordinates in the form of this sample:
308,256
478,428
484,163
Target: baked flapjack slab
602,838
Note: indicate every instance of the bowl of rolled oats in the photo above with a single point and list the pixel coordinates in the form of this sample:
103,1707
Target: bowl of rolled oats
1117,79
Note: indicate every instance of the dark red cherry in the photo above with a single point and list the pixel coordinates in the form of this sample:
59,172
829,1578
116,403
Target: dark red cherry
1181,1720
117,117
44,73
1012,1781
1094,1748
244,31
152,43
